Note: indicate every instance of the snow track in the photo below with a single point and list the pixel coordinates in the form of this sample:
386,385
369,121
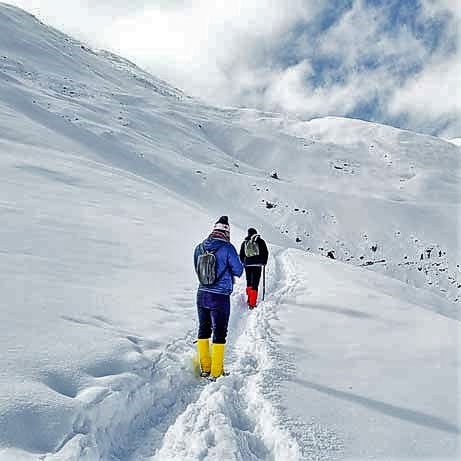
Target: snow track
237,417
167,413
233,418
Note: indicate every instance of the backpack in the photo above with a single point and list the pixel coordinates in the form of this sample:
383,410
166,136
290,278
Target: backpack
251,247
206,267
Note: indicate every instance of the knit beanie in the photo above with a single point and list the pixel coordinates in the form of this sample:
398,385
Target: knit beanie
252,231
222,224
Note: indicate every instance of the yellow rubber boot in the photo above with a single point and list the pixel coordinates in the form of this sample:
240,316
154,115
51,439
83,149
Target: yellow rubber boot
203,350
217,360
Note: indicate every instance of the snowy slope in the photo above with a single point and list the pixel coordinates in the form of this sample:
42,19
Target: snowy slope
111,176
381,369
345,185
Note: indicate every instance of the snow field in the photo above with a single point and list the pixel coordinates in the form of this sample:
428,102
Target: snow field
377,360
109,179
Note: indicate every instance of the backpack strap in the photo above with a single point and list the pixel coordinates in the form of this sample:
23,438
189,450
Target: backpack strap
204,250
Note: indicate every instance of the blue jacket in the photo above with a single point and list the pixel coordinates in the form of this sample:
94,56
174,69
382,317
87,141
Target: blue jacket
228,265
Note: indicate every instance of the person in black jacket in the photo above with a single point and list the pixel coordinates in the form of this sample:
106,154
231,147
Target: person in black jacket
254,255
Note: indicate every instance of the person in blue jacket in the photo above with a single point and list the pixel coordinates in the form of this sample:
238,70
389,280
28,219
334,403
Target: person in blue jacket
213,301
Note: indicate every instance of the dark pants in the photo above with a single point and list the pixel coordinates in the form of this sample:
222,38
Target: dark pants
253,275
213,315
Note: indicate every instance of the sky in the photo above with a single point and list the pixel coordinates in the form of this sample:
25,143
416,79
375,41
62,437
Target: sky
391,61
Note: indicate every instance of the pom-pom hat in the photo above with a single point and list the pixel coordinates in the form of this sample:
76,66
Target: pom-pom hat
222,224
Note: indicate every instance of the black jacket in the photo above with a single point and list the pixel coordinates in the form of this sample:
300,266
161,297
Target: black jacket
259,260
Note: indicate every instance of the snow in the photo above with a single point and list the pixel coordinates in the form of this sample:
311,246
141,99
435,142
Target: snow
109,179
358,355
456,141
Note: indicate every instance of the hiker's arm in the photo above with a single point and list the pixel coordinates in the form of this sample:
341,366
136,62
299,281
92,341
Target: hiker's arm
234,262
264,252
195,257
242,251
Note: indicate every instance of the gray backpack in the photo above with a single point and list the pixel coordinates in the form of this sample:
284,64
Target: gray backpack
206,267
252,247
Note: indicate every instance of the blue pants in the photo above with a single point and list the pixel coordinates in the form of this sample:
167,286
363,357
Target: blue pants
213,315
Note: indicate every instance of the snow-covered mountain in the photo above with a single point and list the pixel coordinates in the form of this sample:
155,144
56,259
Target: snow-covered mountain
111,176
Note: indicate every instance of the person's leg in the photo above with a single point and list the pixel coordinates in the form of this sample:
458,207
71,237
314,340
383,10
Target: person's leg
203,341
255,277
248,279
205,323
220,321
248,275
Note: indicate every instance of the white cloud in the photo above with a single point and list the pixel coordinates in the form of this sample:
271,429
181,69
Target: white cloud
73,17
291,92
356,40
361,35
434,93
436,7
228,52
216,49
209,47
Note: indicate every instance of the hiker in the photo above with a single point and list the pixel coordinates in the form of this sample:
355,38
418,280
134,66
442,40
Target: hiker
254,255
217,263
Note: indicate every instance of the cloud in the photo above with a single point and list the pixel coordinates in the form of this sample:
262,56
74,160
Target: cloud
361,37
434,8
402,71
73,17
430,99
216,49
433,96
362,64
375,60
